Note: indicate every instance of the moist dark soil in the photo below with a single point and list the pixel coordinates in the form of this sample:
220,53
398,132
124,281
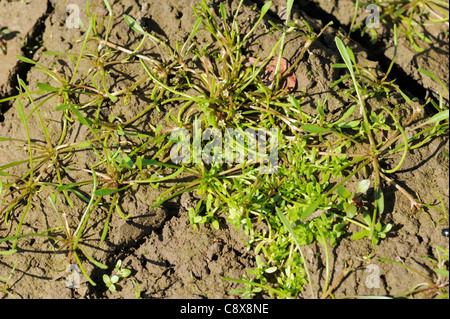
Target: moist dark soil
167,256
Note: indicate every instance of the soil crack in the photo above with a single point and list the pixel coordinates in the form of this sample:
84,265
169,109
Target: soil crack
32,45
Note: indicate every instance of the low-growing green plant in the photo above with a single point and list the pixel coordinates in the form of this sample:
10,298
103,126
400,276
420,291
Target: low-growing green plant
303,199
375,151
2,41
410,16
6,289
432,289
120,273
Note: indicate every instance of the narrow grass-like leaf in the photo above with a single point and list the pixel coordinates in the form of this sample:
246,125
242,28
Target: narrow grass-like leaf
311,128
379,198
46,87
438,117
83,48
82,269
108,6
92,260
80,117
23,119
62,107
264,10
191,35
24,59
107,191
133,24
81,224
434,77
346,114
348,57
311,209
8,252
57,53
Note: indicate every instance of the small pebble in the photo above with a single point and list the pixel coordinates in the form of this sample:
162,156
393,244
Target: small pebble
445,232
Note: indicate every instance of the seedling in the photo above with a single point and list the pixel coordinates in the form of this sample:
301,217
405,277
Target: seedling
353,203
2,41
120,273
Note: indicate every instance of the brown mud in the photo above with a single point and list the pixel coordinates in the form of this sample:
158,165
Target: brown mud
168,258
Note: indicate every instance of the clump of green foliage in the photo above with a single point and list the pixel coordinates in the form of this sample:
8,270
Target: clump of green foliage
302,201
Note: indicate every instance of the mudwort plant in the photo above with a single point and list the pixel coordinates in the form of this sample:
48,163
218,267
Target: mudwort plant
283,202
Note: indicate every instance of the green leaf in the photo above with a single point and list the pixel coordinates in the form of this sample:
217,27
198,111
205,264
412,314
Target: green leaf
438,117
442,272
311,128
363,186
344,192
259,262
271,270
311,209
150,162
24,59
339,65
133,24
344,53
62,107
106,191
386,228
346,114
360,235
108,6
80,117
379,198
128,161
351,210
115,279
236,291
350,124
197,219
223,12
264,10
112,97
347,76
46,87
434,77
106,280
367,218
209,200
378,227
124,273
8,252
22,116
57,53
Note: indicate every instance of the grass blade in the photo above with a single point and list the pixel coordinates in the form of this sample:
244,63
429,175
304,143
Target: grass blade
434,77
